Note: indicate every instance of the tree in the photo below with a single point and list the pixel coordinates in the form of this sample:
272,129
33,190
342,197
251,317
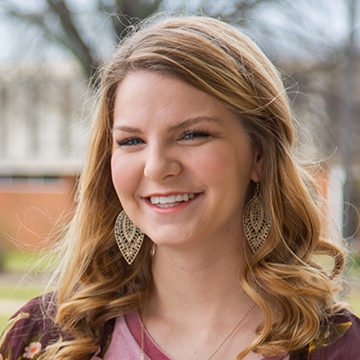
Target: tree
84,27
297,35
63,22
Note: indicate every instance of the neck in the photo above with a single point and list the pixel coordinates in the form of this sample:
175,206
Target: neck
198,281
198,301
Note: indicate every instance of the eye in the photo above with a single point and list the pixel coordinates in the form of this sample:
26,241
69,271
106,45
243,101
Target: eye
194,134
130,142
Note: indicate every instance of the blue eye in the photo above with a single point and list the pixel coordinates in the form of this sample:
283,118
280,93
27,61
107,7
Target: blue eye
130,142
193,135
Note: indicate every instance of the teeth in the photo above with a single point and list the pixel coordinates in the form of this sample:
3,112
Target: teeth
172,200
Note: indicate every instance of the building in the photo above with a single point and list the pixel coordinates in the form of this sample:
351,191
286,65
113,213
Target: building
43,137
44,130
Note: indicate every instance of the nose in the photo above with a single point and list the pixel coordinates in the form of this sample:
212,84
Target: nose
161,164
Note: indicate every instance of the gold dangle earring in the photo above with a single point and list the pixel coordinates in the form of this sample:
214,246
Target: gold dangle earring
256,220
128,237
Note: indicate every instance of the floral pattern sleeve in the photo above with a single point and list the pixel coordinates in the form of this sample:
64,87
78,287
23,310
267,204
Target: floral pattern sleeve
28,332
32,329
341,341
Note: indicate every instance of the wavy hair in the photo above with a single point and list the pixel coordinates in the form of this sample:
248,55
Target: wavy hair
283,277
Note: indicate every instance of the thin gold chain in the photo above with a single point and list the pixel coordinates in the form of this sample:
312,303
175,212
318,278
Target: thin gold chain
218,348
232,332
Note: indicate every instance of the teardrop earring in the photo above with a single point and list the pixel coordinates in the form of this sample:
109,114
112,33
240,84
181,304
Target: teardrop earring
256,220
128,237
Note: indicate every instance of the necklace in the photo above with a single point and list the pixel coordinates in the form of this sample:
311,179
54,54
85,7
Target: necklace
217,349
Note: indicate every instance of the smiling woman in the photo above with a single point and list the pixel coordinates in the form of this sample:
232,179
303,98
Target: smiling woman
177,141
191,160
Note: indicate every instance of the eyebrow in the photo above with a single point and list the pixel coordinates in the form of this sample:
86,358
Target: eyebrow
194,121
128,129
181,125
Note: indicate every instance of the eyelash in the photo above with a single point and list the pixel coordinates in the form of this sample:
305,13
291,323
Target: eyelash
127,142
196,134
186,135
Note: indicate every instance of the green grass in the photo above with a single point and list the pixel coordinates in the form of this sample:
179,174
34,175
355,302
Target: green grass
8,292
354,301
21,262
15,293
3,321
14,286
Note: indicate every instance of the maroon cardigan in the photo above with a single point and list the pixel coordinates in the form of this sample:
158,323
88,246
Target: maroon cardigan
29,332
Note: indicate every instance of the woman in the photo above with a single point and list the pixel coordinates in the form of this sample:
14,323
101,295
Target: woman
191,159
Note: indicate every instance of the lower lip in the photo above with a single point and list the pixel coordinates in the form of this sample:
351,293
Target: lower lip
172,208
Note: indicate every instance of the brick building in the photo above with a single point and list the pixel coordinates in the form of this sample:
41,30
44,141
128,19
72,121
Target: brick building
43,137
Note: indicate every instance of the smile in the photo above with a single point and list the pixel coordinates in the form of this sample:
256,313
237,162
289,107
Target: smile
172,200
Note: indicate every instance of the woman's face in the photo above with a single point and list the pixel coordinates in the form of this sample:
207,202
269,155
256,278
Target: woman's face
181,162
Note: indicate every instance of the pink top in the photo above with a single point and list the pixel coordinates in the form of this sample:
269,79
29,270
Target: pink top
126,342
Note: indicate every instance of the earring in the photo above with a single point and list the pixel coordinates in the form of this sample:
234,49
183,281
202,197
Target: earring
128,237
256,220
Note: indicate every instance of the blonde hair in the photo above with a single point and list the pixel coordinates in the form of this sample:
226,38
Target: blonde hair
282,277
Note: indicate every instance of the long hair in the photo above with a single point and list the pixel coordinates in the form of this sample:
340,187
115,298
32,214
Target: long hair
283,277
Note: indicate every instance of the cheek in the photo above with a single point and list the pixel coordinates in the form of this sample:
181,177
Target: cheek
214,165
225,169
123,177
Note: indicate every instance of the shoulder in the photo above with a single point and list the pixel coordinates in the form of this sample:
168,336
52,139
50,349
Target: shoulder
341,340
30,330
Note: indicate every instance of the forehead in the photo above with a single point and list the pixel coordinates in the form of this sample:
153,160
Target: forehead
153,84
145,94
152,103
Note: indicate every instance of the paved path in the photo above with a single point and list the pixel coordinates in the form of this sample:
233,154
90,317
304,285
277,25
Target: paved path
9,307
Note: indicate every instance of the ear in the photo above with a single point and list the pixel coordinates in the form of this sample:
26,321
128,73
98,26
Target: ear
257,166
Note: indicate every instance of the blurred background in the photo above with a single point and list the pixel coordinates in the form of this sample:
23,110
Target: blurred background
49,53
